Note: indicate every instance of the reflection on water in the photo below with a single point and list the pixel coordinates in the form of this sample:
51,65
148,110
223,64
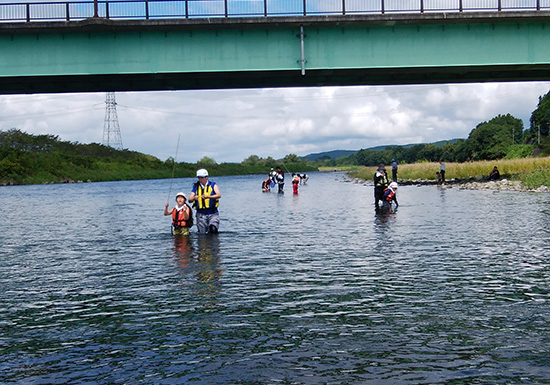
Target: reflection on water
201,261
183,250
313,288
208,258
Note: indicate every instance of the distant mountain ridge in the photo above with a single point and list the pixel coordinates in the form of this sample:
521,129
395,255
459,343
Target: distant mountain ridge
335,154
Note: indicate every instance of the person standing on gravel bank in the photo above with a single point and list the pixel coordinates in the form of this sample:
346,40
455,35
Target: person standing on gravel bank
394,170
442,170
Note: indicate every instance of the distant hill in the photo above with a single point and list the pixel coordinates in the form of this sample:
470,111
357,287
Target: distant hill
335,154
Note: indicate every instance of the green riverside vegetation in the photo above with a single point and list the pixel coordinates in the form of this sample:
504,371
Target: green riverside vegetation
532,172
39,159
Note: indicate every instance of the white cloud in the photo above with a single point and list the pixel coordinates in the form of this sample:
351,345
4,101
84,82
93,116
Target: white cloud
230,125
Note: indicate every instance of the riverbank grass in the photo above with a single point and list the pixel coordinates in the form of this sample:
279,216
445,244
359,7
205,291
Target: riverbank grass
532,172
340,168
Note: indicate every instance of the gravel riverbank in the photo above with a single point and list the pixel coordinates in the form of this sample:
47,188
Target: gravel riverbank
475,184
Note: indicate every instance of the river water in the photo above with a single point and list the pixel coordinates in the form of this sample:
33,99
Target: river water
314,288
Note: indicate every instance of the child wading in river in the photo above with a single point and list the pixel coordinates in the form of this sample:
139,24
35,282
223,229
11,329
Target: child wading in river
182,215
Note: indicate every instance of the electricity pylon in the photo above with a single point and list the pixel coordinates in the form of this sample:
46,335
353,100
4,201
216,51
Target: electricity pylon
111,129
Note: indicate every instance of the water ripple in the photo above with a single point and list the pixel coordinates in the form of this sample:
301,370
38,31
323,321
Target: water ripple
307,289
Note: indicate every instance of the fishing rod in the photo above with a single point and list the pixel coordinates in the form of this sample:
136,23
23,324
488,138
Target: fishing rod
173,169
287,170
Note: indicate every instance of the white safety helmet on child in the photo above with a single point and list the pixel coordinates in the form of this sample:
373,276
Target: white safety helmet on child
393,185
180,194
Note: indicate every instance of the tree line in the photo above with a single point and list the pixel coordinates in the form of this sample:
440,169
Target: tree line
37,159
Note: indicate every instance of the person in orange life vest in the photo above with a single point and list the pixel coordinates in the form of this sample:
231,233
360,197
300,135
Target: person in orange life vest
295,183
390,195
205,195
182,215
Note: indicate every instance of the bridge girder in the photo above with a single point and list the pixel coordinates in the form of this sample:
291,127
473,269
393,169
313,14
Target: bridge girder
105,55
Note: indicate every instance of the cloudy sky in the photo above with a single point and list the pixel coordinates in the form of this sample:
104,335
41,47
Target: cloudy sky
230,125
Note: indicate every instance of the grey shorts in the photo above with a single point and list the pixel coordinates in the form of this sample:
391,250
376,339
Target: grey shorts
204,221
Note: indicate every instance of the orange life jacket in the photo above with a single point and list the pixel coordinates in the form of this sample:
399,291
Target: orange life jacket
178,219
389,194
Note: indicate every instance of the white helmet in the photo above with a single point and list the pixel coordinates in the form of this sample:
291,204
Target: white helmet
180,194
393,185
202,172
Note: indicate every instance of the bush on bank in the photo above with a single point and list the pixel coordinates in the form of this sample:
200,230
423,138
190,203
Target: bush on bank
536,178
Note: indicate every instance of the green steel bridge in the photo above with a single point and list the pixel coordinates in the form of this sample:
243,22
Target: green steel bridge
89,46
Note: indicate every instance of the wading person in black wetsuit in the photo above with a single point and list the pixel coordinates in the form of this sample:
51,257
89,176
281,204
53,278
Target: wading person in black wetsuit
280,179
381,182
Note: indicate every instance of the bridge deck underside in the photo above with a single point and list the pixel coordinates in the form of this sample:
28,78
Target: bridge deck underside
269,79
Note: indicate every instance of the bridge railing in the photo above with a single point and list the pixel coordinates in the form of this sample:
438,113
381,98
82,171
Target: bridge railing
173,9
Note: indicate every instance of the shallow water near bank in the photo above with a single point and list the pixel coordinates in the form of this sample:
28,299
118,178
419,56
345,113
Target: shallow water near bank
309,289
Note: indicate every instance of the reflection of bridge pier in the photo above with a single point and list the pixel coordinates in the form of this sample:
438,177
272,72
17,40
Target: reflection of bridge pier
146,50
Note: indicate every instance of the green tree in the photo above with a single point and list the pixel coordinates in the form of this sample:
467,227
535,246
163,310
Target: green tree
540,119
485,141
269,161
252,160
9,168
398,153
492,139
292,158
514,126
410,154
206,161
368,157
461,151
430,152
